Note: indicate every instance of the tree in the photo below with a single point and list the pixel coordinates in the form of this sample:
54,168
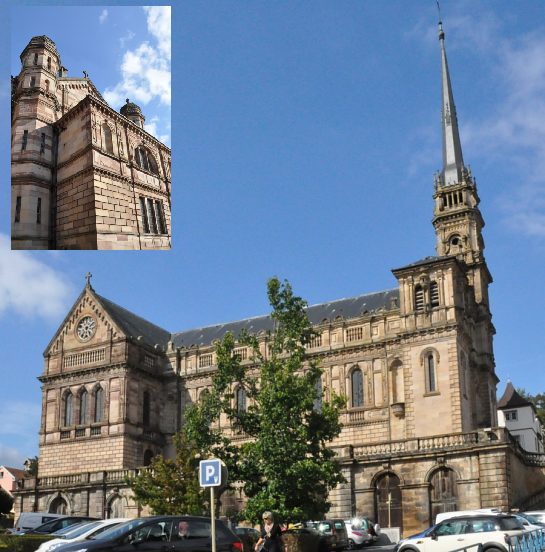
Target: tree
31,466
171,486
6,502
285,464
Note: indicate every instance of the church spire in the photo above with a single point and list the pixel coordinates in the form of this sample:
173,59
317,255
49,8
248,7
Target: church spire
453,161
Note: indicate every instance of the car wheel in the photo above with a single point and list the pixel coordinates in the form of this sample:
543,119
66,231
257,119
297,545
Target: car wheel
351,545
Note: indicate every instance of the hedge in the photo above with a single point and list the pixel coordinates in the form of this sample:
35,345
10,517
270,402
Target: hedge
22,543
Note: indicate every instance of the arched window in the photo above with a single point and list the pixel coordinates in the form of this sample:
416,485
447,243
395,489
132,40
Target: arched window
434,294
146,409
145,160
418,298
67,415
83,399
108,143
148,457
356,379
431,380
99,405
58,506
241,400
443,492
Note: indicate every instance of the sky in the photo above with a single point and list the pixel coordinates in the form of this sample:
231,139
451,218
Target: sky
305,140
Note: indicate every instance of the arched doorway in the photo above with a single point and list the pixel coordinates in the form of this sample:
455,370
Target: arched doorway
58,506
116,507
443,492
388,501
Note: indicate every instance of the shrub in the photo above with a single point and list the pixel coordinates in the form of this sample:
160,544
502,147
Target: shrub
22,543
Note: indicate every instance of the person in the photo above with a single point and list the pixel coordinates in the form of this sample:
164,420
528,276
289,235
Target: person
183,530
271,535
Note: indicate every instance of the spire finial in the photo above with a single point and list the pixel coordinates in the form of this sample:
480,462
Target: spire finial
127,99
88,277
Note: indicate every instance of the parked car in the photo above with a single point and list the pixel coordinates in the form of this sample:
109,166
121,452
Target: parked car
248,531
175,533
334,530
492,531
30,520
308,538
538,514
361,531
57,524
528,522
79,532
446,515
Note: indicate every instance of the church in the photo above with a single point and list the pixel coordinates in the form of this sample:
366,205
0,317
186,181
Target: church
420,433
83,176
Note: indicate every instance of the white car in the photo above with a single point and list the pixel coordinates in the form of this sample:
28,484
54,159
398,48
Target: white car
538,514
79,533
492,531
361,531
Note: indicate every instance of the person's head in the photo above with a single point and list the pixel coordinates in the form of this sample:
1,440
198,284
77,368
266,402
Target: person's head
183,528
268,517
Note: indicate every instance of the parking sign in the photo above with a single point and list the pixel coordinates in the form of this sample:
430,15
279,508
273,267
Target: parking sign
210,473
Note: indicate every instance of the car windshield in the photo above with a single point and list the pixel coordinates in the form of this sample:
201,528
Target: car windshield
119,530
46,526
530,518
72,531
358,523
511,524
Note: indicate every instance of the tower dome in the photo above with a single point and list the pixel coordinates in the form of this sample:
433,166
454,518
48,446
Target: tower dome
133,113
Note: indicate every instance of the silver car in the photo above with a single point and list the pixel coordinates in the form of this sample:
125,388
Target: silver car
361,531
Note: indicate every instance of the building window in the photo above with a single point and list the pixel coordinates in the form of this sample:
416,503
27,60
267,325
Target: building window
83,407
148,457
108,143
419,298
241,400
49,63
357,387
99,405
317,405
146,409
434,294
39,211
511,415
35,59
431,383
47,85
25,139
42,143
145,160
67,417
18,209
153,216
32,81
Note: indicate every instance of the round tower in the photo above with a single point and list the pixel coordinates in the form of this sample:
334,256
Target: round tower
34,110
133,113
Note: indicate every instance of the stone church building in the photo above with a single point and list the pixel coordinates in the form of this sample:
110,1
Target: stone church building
420,431
83,176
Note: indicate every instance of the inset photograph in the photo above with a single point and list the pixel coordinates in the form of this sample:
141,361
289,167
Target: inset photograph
90,127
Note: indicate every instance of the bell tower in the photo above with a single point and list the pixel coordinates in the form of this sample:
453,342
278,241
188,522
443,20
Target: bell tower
457,219
34,110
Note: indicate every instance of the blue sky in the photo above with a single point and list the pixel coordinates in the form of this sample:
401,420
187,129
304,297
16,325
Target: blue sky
305,139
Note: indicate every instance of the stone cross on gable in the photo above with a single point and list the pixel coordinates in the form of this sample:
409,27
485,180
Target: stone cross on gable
88,277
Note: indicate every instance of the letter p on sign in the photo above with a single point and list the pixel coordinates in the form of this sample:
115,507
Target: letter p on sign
210,473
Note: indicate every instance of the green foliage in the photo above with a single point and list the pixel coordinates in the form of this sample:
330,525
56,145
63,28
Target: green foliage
285,466
171,486
538,401
6,501
22,543
31,466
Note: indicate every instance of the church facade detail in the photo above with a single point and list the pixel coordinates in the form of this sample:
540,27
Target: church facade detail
83,176
420,431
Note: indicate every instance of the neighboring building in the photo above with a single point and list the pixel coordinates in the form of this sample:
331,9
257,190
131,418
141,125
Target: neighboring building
9,478
83,176
420,432
519,416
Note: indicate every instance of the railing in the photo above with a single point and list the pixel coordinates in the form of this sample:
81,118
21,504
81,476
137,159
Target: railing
530,541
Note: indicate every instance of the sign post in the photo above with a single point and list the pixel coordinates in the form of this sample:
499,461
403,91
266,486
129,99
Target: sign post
212,473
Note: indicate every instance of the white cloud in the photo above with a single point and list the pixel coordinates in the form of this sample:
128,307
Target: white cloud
126,38
145,70
103,16
151,127
28,286
11,457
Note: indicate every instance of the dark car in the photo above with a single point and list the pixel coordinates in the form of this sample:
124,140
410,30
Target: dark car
58,524
334,530
161,533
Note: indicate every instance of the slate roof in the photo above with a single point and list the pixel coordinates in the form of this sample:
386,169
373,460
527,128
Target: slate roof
512,399
133,325
345,308
425,261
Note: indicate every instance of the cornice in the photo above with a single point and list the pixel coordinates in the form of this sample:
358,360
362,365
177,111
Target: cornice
63,377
